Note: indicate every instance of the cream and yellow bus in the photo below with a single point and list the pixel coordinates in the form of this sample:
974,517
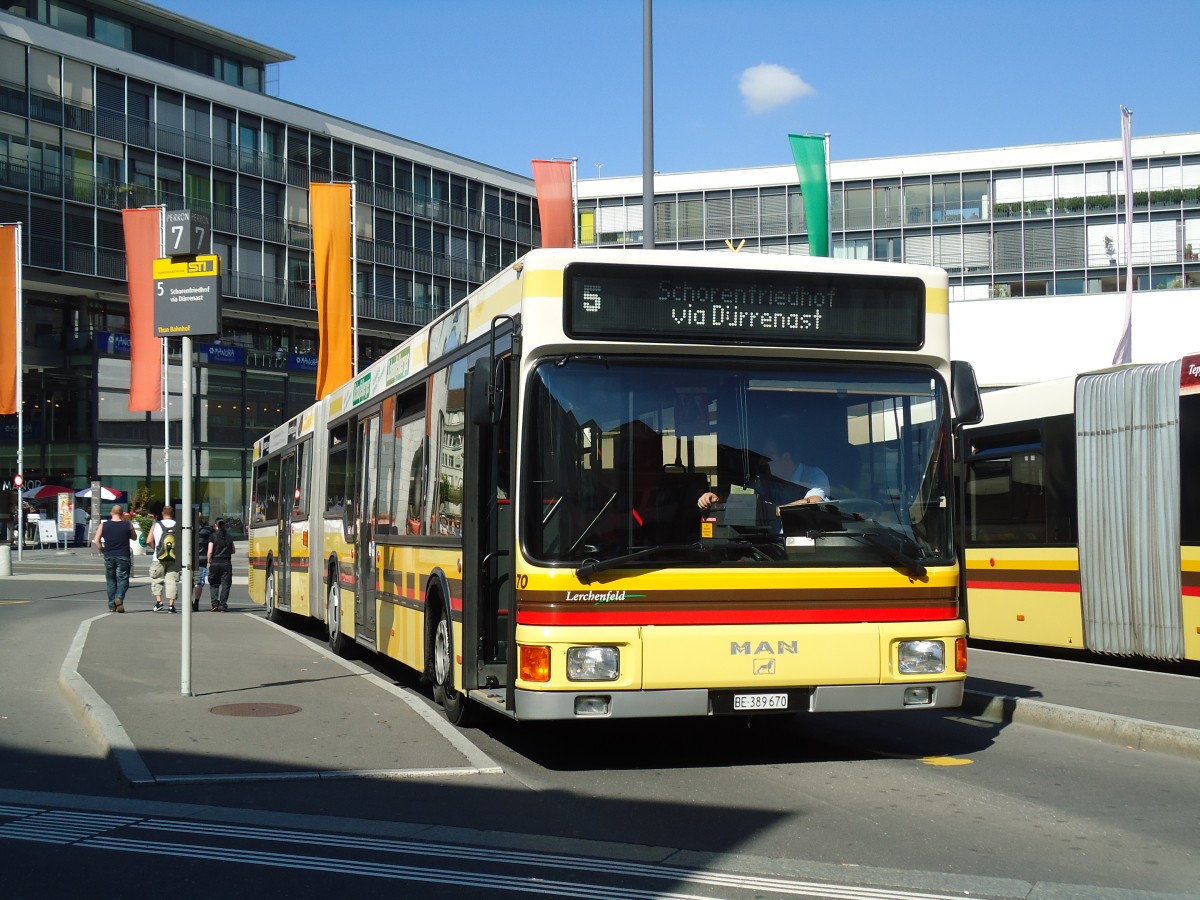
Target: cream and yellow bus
1082,513
641,483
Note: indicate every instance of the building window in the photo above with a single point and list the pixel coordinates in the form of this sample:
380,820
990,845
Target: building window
113,32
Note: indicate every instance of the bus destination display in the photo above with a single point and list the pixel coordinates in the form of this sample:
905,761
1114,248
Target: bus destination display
805,309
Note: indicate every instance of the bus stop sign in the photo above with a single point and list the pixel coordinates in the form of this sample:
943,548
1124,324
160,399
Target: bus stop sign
187,296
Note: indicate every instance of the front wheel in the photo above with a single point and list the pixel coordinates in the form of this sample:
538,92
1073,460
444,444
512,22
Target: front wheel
338,642
453,702
272,596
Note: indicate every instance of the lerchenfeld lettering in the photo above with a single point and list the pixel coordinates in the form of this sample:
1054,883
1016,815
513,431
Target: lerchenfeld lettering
747,648
595,596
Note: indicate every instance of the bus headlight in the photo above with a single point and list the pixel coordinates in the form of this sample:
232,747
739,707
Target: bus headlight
922,657
593,663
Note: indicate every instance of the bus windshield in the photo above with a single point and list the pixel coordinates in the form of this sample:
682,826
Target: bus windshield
807,465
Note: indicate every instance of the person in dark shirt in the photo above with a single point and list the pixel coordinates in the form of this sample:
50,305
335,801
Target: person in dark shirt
220,567
112,539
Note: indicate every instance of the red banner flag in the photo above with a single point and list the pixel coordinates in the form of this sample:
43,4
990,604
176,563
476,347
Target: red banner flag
556,201
333,262
10,340
143,245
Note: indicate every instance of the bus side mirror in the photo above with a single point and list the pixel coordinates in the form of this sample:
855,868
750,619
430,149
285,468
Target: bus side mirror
964,392
487,390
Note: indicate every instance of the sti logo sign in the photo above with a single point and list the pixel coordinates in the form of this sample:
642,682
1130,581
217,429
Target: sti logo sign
187,296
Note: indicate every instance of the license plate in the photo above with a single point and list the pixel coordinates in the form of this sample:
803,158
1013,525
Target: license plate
760,701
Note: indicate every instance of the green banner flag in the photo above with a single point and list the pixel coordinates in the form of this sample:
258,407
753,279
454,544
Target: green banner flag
809,151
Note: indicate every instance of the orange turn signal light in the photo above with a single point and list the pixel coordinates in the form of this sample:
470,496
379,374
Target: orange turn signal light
960,655
535,663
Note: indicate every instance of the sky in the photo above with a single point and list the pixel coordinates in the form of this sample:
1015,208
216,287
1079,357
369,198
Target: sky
503,82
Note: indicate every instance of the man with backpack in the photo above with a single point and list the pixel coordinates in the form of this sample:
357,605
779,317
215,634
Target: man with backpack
220,567
166,546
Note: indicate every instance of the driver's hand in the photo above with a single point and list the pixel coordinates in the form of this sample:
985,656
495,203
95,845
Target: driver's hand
707,499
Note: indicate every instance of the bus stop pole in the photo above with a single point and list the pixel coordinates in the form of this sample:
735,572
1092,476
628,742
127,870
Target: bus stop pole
185,575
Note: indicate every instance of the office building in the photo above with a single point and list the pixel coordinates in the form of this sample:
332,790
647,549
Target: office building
1033,239
117,104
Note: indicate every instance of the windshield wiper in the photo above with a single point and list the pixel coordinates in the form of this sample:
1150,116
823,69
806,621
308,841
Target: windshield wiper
892,545
593,567
903,561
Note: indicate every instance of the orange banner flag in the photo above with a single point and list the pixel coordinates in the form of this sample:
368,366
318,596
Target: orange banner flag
333,262
10,341
556,201
143,245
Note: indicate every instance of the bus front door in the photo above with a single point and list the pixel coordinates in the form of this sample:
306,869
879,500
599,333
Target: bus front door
366,484
488,601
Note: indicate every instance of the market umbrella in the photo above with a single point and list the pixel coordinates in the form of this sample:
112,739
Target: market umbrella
107,494
45,492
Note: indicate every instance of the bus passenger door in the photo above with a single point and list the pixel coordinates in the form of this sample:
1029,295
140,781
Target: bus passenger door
287,503
489,614
366,487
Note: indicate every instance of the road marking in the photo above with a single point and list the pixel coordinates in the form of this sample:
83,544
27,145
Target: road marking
946,761
13,602
97,829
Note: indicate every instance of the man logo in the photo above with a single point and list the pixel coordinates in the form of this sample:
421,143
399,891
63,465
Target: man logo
764,666
779,648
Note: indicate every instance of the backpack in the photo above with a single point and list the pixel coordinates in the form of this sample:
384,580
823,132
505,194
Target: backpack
165,551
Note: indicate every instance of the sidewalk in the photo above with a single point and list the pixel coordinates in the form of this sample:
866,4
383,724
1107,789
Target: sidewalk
1138,709
266,704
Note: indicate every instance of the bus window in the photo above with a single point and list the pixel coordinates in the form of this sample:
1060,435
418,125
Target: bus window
303,468
446,516
341,475
270,497
261,482
1189,472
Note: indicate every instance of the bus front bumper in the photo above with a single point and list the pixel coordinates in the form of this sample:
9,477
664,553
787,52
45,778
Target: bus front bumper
601,704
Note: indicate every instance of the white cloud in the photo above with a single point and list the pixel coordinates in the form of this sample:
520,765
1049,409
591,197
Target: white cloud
767,86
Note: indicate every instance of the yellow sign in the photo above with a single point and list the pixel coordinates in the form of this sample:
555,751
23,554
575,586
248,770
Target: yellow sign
187,268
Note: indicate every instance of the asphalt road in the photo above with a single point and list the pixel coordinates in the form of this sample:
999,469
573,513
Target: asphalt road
889,805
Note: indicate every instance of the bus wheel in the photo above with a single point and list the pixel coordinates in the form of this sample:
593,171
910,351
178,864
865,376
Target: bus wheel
271,595
338,642
454,703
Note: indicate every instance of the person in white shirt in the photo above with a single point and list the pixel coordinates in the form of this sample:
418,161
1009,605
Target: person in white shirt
165,545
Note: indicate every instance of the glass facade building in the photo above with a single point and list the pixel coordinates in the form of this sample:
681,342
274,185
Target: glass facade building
1035,221
117,105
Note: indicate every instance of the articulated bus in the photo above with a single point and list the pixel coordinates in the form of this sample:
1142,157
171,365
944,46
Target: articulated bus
510,502
1082,513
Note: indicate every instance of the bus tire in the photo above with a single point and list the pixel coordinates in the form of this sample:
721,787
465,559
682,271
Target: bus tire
338,642
455,704
271,598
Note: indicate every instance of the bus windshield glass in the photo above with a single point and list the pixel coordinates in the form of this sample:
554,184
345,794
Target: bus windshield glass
798,465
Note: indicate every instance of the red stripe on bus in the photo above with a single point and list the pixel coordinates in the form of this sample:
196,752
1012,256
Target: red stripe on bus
1072,588
739,616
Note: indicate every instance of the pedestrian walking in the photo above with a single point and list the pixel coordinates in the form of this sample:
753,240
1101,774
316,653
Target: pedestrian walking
203,539
113,539
220,567
164,566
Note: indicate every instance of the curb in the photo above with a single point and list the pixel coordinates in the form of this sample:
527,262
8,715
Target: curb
102,723
1135,734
